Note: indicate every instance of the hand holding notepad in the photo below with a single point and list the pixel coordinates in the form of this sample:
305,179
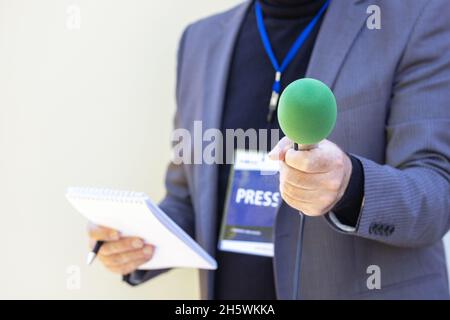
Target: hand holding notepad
134,214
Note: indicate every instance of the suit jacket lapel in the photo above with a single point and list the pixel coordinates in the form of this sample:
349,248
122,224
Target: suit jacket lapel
341,25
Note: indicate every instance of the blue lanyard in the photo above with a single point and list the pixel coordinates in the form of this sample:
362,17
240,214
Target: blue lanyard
276,88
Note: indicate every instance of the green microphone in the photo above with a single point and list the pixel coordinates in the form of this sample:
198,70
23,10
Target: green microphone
307,112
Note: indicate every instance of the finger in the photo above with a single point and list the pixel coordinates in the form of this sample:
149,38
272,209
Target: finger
99,233
310,161
309,209
320,195
309,181
122,245
299,195
295,177
291,201
128,267
116,260
279,151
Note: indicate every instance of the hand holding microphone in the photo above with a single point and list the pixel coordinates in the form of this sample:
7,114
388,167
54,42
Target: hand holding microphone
315,178
312,181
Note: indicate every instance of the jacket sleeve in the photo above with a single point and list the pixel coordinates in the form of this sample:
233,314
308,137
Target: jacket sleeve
406,200
177,202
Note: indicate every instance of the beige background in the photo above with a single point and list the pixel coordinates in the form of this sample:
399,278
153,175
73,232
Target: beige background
89,106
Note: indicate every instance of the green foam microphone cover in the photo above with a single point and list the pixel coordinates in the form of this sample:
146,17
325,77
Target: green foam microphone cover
307,111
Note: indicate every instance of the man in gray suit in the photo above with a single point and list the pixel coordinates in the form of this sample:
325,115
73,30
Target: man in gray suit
392,85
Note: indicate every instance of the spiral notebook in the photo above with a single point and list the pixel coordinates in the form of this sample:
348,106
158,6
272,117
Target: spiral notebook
134,214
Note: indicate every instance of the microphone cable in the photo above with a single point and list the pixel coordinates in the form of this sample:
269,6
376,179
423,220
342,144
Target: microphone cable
298,258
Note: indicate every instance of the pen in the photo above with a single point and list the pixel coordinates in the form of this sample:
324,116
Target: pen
91,255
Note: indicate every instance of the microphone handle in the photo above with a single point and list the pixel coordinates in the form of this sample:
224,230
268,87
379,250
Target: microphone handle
301,227
304,147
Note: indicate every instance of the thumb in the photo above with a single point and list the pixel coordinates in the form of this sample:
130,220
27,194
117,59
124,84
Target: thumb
279,151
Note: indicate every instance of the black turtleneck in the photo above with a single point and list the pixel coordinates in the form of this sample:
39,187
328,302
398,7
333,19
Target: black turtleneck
250,80
291,9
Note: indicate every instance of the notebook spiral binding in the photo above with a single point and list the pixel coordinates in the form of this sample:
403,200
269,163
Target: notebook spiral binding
103,194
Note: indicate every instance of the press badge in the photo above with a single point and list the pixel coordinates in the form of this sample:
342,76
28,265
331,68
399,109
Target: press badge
251,205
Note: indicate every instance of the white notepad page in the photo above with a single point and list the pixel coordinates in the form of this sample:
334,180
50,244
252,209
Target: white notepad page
134,214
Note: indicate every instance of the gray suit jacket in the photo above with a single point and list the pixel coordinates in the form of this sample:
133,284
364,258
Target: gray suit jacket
393,92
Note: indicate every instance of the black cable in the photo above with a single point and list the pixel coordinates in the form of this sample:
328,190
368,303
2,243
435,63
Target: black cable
298,258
